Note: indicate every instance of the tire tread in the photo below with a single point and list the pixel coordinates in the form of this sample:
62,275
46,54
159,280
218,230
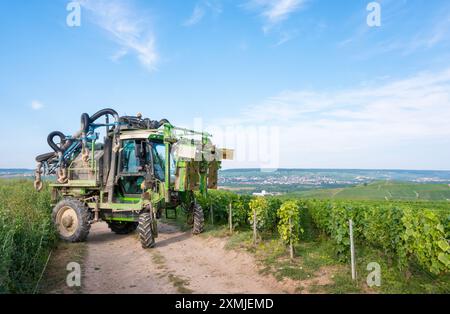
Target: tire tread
83,216
145,230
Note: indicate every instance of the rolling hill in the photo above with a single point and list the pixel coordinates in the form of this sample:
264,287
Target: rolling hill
382,190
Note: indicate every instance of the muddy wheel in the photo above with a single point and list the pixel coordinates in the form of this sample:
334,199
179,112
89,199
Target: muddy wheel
190,219
199,219
145,230
122,227
71,218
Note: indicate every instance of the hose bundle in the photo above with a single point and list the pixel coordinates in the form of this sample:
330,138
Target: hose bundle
56,162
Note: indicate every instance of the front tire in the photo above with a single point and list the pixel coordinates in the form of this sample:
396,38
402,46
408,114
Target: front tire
145,230
122,227
71,218
199,219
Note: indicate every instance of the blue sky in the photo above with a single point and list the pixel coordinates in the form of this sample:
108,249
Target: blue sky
332,91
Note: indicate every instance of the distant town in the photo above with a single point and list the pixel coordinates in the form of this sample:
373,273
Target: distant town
311,180
288,180
16,173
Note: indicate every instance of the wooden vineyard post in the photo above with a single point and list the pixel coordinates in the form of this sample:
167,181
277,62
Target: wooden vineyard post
211,214
352,250
230,218
254,226
291,245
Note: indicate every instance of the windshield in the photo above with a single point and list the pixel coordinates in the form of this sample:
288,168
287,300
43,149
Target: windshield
134,156
159,159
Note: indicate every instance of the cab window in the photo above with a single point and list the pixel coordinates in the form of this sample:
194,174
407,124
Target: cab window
128,158
134,156
159,157
159,161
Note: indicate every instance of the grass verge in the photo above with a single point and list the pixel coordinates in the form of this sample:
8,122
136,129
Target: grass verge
26,235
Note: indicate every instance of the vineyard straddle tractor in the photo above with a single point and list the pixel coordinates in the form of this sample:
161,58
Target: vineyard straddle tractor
143,168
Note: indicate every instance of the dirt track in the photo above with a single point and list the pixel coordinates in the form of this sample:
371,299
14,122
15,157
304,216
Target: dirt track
180,263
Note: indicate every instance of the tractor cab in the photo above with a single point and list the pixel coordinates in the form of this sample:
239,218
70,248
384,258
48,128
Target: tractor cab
134,161
142,156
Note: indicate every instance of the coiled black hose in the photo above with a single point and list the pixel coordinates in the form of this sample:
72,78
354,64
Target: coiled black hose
146,123
52,144
104,112
86,121
162,122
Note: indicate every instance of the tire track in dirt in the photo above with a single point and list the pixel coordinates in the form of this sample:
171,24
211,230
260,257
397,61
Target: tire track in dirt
117,264
180,263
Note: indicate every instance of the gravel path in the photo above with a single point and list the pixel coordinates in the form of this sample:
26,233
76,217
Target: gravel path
180,263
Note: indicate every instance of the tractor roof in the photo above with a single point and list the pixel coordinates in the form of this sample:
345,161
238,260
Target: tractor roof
174,133
141,134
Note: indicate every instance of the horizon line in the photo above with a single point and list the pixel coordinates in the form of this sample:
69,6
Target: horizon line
281,168
341,169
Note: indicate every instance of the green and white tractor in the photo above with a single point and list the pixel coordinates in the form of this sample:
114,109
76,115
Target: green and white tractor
142,169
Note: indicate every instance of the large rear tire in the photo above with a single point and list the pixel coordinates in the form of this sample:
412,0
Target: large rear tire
145,229
199,219
71,218
122,227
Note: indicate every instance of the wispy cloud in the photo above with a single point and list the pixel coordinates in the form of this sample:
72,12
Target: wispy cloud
420,97
285,36
36,105
360,121
200,10
277,11
126,26
436,34
196,16
429,37
405,38
274,11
